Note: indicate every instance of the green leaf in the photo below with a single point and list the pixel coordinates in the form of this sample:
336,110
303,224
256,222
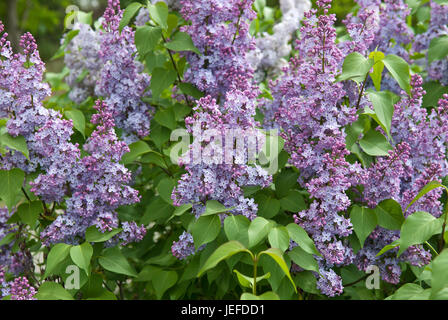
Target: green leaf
56,255
265,296
162,281
439,280
165,189
303,259
94,235
384,108
355,67
248,282
299,236
389,214
181,210
375,144
268,207
293,202
166,118
388,247
418,228
161,79
410,291
214,207
68,37
159,13
438,49
15,143
52,291
223,252
136,150
279,238
146,39
103,295
157,209
434,92
236,228
306,281
399,69
191,90
258,230
277,255
284,182
364,220
129,13
81,256
29,212
205,230
429,187
10,186
79,121
378,68
113,260
182,42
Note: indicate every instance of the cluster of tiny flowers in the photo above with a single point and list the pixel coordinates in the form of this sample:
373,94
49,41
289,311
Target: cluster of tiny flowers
268,57
306,107
99,185
220,30
438,26
103,62
20,289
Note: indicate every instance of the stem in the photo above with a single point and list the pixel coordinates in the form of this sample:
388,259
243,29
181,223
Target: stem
254,287
430,246
176,69
362,91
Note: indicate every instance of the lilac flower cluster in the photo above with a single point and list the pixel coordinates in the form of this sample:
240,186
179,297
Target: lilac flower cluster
220,30
438,26
103,62
99,187
268,58
20,289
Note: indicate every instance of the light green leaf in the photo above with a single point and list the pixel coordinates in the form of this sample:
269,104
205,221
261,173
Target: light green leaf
146,39
205,230
29,212
277,255
303,259
427,188
52,291
162,281
378,68
384,108
79,121
182,42
15,143
364,220
223,252
159,13
94,235
56,255
129,13
389,214
388,247
236,228
439,280
248,282
355,67
265,296
81,255
375,144
399,69
299,236
418,228
410,291
258,230
161,79
268,207
10,186
113,260
438,49
279,238
136,150
166,118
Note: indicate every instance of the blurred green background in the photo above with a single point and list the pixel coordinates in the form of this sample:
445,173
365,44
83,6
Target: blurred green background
45,20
